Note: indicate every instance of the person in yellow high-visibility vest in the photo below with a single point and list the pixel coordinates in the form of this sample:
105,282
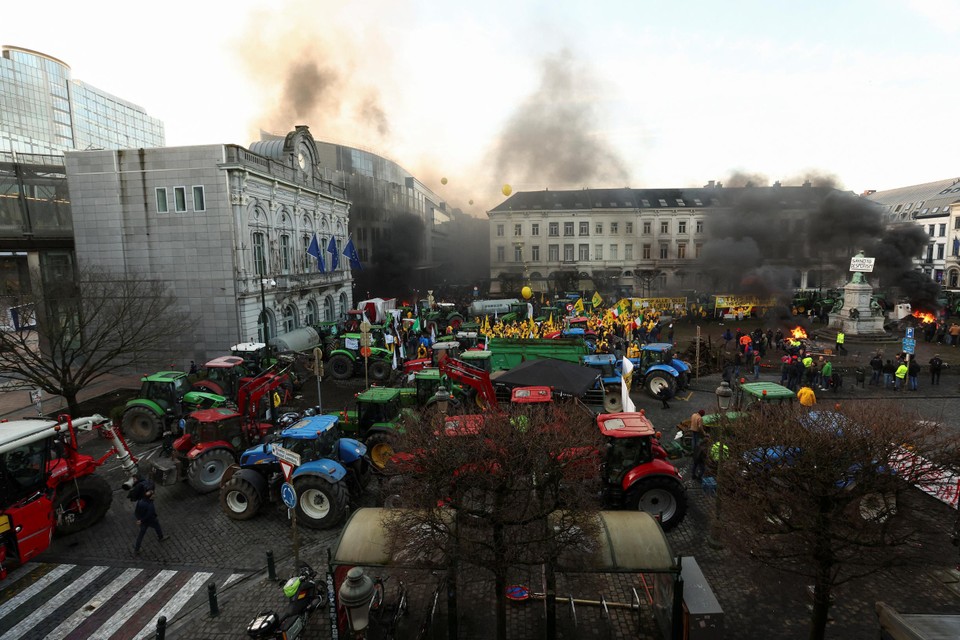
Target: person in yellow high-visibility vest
840,339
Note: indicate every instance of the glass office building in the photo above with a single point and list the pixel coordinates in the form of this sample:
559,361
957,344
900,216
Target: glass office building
44,111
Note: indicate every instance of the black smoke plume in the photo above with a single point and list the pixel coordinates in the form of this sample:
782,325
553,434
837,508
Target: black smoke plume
551,139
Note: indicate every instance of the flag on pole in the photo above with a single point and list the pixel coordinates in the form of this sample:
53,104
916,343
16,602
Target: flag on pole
394,359
956,246
334,254
578,305
415,327
353,257
626,377
314,251
615,311
596,300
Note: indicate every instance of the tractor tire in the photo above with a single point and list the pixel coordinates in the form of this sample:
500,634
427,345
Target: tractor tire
683,381
340,367
392,494
206,470
612,402
360,469
320,504
657,380
380,370
380,448
240,499
433,328
141,425
455,322
661,497
877,507
81,503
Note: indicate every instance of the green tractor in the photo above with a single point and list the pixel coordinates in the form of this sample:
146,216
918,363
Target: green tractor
376,421
439,317
164,396
347,361
431,387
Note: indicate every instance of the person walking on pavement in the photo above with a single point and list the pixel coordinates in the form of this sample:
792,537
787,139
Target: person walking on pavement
840,339
913,370
888,371
876,368
696,429
699,458
146,514
826,376
900,376
936,364
756,366
663,395
954,332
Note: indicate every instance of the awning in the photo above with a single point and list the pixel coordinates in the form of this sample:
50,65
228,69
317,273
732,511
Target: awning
559,375
629,542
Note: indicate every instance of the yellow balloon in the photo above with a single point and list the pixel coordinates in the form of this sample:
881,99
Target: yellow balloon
471,202
507,189
443,181
526,292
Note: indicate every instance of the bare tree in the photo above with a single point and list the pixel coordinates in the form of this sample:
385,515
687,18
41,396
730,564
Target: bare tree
499,491
96,324
821,493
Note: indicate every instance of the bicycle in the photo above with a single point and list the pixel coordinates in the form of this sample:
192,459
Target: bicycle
427,623
388,615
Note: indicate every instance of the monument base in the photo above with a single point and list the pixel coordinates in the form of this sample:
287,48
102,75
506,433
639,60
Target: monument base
856,318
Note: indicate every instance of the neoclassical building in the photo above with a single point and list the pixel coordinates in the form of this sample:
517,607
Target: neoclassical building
226,227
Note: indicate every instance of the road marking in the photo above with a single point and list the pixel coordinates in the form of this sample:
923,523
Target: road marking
93,604
133,605
687,399
34,589
233,578
26,625
174,604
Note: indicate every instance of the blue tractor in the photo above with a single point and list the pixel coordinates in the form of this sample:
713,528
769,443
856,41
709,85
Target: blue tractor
331,468
657,367
609,381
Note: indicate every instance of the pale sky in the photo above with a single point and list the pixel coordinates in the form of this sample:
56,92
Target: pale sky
674,93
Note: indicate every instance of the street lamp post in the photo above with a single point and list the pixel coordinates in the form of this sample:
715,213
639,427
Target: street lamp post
355,595
263,316
724,400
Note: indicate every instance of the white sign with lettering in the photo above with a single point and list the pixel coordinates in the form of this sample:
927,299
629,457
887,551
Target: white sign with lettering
858,263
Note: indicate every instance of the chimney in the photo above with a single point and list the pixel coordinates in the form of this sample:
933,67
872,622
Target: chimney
807,183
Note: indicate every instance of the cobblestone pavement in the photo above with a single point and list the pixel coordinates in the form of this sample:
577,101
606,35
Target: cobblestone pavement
757,600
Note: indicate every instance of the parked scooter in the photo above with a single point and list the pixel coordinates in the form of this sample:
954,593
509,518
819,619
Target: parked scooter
305,596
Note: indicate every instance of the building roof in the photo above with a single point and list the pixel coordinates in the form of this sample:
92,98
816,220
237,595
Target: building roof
919,200
682,198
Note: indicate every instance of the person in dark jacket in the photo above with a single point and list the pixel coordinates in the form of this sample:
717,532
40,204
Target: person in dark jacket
888,371
146,515
663,395
936,364
876,368
913,371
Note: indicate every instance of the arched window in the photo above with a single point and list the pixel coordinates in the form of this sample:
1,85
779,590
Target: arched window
285,253
308,263
310,316
260,253
328,309
289,318
343,304
954,278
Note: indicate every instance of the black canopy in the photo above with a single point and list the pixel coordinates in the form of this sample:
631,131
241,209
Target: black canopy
563,377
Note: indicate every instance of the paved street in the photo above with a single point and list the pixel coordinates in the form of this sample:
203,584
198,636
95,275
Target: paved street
89,580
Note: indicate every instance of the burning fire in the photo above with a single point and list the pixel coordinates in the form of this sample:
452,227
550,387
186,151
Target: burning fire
924,317
798,333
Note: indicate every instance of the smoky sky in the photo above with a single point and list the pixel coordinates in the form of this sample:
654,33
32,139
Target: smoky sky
757,245
551,139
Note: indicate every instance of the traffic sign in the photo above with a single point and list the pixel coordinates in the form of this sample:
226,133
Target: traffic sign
287,469
910,332
909,344
570,307
364,327
365,340
285,455
365,352
289,495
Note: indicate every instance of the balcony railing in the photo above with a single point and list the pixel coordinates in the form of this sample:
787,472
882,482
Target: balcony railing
241,156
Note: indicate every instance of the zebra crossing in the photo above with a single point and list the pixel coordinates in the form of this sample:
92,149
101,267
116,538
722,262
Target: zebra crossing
70,602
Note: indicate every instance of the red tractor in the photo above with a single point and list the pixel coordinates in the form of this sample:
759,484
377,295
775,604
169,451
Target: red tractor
213,439
635,473
48,486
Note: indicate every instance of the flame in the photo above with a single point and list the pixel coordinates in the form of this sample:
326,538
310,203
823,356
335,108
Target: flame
924,317
798,333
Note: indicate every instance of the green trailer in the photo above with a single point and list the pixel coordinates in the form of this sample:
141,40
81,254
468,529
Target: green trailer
506,353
